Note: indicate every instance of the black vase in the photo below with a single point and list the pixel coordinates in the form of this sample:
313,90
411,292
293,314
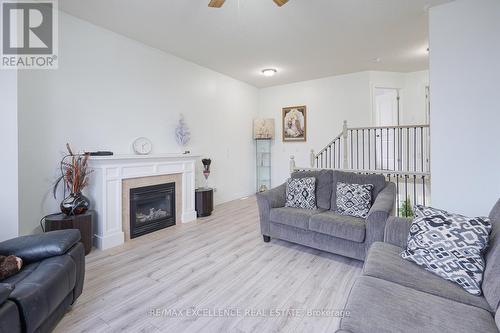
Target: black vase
75,204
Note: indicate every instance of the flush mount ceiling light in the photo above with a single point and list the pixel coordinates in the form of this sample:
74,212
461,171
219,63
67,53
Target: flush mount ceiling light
219,3
269,72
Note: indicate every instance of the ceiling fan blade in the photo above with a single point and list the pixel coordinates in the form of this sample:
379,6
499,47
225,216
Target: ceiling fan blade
216,3
280,2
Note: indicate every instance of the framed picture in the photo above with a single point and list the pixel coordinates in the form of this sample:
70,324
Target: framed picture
294,123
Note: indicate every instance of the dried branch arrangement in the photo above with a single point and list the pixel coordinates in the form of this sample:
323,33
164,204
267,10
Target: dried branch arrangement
74,173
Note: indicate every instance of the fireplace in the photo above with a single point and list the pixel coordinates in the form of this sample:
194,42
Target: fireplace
151,208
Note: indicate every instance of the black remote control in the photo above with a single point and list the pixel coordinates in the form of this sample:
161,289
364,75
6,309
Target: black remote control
100,153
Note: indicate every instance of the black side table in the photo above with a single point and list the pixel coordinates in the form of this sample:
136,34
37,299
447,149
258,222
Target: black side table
204,201
81,222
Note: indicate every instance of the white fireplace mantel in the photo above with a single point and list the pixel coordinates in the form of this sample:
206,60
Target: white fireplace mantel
105,189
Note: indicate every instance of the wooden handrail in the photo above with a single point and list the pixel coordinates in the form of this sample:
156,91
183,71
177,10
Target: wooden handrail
380,172
384,127
328,145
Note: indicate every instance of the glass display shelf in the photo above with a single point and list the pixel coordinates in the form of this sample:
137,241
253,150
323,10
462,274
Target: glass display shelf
263,164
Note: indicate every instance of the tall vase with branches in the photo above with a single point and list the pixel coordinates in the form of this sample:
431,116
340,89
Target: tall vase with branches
74,178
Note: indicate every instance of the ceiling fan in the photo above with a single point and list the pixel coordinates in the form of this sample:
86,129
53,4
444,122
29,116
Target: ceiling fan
219,3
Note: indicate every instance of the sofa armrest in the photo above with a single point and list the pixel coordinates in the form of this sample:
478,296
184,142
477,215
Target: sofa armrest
273,198
397,230
5,290
34,248
378,214
384,202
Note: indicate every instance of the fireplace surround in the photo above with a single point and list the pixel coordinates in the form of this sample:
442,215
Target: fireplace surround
114,176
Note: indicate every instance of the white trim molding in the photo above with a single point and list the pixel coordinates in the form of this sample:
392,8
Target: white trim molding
105,190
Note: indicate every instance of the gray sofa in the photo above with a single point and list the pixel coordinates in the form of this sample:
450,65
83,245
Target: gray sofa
322,228
396,295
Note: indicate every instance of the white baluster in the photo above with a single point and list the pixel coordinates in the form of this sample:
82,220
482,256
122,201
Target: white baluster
345,135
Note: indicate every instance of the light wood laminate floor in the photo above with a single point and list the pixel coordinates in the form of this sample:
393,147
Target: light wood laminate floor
218,263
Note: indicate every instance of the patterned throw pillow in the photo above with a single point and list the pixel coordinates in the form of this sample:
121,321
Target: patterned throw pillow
301,193
354,199
449,245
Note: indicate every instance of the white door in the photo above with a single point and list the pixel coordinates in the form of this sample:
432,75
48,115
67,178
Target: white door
386,109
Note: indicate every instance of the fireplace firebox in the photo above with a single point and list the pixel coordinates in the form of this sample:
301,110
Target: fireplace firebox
151,208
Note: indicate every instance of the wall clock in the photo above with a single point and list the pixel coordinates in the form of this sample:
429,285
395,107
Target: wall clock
142,146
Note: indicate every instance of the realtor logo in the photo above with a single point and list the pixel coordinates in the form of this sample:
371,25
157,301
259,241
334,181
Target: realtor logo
29,34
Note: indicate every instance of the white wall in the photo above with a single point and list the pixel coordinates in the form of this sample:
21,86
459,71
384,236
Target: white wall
412,93
9,155
329,102
465,86
109,90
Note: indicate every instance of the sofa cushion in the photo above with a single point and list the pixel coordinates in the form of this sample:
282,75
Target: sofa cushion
318,241
301,193
324,179
341,226
377,305
378,182
295,217
354,199
39,293
491,280
449,245
23,273
384,262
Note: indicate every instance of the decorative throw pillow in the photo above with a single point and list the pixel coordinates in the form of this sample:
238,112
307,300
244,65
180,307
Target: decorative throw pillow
301,193
354,199
449,245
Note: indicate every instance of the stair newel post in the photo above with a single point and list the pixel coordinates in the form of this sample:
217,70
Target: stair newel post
345,136
292,164
312,158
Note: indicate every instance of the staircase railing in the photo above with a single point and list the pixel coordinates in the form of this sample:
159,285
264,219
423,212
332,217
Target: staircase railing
394,148
400,153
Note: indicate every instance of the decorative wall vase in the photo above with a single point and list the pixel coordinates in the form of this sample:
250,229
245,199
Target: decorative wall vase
182,133
206,169
75,204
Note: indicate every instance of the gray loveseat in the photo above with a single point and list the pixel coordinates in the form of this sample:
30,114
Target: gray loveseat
396,295
322,228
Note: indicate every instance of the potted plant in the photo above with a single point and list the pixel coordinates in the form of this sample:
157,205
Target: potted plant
74,176
406,209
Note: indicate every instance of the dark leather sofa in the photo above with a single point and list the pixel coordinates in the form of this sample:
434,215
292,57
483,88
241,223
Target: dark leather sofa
37,297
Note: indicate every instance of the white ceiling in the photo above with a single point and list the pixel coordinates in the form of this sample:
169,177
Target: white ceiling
304,39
